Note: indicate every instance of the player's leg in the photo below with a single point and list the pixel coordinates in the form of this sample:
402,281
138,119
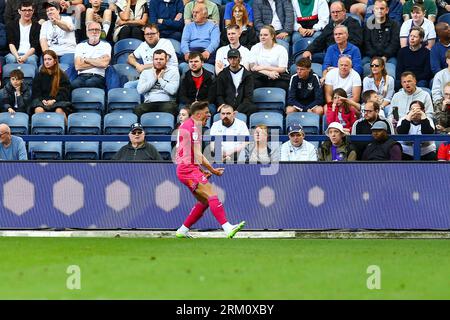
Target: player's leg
195,215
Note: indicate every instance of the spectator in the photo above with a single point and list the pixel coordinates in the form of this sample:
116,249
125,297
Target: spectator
343,77
201,35
198,83
371,95
183,115
16,94
382,148
146,49
310,18
57,34
51,87
418,20
444,152
260,150
12,8
137,148
91,59
337,148
212,11
442,108
11,147
415,58
233,34
439,81
97,13
248,37
305,93
159,85
379,81
429,6
132,16
74,9
279,14
341,47
229,12
410,92
438,57
23,37
338,16
416,122
235,85
269,60
297,148
341,111
395,10
381,37
167,15
229,125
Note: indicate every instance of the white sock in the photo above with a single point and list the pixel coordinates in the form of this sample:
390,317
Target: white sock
227,227
106,26
183,229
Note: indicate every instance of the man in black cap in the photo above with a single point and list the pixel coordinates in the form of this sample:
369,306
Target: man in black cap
382,148
235,85
137,148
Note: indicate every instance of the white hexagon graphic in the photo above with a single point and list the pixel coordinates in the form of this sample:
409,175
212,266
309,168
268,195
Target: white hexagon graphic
18,195
266,196
118,195
220,192
68,195
167,196
416,196
316,196
366,196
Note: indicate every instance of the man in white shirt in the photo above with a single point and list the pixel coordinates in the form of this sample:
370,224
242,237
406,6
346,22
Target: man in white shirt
343,77
297,148
233,34
91,59
229,125
58,33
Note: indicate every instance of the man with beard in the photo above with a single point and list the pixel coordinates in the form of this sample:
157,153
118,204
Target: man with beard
382,148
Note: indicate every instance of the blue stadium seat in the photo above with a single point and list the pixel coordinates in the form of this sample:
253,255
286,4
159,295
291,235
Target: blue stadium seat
64,66
17,122
426,89
240,116
269,98
110,148
123,48
309,121
283,43
120,99
444,18
324,123
47,123
82,150
84,123
164,148
29,71
88,99
45,150
126,72
273,120
177,46
300,46
158,122
118,122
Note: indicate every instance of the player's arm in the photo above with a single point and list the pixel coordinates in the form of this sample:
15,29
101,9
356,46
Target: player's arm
201,159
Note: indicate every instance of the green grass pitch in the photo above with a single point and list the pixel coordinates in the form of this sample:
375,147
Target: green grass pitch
143,268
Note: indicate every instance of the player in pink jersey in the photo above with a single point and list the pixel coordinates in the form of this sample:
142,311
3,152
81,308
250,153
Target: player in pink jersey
190,160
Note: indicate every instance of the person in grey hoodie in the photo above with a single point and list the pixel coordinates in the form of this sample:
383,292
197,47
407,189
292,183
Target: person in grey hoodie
410,92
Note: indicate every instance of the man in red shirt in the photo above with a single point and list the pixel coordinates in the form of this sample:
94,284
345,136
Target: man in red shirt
190,160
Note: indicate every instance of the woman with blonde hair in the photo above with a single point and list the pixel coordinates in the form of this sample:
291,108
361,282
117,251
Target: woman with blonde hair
260,150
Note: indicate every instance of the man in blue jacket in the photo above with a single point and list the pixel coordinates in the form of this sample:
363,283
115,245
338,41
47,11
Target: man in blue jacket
11,147
168,16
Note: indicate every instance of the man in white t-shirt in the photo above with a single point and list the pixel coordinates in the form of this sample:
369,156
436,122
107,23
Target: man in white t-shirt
418,19
91,59
233,34
229,125
343,77
146,49
58,33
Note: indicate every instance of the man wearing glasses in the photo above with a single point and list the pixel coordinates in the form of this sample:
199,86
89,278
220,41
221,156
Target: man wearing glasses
23,37
91,59
137,149
11,147
12,10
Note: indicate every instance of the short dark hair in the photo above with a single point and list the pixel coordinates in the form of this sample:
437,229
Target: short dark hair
233,26
407,73
304,63
198,105
26,4
160,51
420,103
366,95
195,54
418,29
419,6
18,74
151,26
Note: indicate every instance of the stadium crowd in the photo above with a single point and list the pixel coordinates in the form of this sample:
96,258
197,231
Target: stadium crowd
377,67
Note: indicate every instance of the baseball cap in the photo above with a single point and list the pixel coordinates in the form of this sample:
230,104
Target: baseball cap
136,126
335,125
379,125
49,4
233,53
295,128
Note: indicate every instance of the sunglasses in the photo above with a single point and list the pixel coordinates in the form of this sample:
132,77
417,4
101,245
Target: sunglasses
374,65
137,132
